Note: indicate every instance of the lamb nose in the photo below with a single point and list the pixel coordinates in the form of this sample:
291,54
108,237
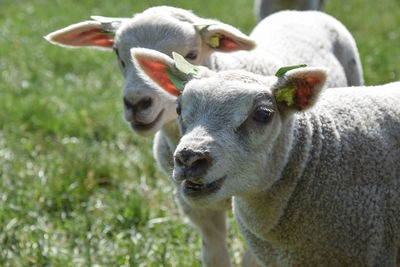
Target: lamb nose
144,103
141,105
193,161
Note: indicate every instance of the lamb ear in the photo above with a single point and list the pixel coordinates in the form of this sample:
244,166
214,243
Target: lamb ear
298,89
160,69
98,33
224,38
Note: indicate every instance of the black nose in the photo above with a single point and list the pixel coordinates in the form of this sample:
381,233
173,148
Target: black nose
141,105
193,163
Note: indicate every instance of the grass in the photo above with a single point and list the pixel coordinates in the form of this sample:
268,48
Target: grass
77,187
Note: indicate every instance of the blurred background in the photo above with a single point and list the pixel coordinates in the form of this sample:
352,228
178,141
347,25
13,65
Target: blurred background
77,187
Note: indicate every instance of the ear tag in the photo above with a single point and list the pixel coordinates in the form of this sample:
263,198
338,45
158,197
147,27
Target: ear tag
109,25
286,95
214,41
179,84
202,27
282,71
183,66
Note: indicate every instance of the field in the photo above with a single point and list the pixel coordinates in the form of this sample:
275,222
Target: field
77,187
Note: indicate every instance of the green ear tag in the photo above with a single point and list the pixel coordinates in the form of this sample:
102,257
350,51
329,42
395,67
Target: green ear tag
286,95
183,66
283,70
179,84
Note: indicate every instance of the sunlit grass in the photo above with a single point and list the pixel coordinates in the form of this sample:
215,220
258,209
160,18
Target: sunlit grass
77,187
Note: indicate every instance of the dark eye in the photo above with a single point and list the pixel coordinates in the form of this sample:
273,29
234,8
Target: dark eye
122,63
262,114
178,109
115,50
120,60
191,56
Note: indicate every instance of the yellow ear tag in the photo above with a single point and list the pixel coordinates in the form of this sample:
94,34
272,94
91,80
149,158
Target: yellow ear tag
214,41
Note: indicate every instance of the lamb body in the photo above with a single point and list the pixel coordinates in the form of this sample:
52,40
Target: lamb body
320,187
149,109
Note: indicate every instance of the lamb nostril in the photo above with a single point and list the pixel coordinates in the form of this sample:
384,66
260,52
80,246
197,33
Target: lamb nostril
200,163
128,104
144,103
179,162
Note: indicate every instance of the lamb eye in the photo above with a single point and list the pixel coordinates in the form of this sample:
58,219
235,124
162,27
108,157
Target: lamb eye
262,115
178,110
122,63
191,56
117,53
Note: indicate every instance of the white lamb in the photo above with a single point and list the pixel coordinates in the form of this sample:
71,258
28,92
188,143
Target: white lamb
263,8
315,177
316,188
320,39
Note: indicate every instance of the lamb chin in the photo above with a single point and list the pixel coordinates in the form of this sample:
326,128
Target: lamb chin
143,129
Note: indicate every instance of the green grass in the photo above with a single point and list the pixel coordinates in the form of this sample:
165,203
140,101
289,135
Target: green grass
77,187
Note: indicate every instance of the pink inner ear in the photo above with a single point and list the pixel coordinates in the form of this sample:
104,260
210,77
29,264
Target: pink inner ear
305,91
156,71
92,37
227,44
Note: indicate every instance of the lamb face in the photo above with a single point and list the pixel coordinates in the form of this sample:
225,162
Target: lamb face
225,120
146,107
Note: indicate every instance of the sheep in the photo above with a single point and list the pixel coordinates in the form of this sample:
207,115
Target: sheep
263,8
150,110
316,188
315,175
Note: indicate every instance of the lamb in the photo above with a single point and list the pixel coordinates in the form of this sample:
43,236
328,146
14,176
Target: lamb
315,175
263,8
150,110
317,188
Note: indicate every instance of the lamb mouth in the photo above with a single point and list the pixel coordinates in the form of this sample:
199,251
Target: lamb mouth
139,126
195,189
